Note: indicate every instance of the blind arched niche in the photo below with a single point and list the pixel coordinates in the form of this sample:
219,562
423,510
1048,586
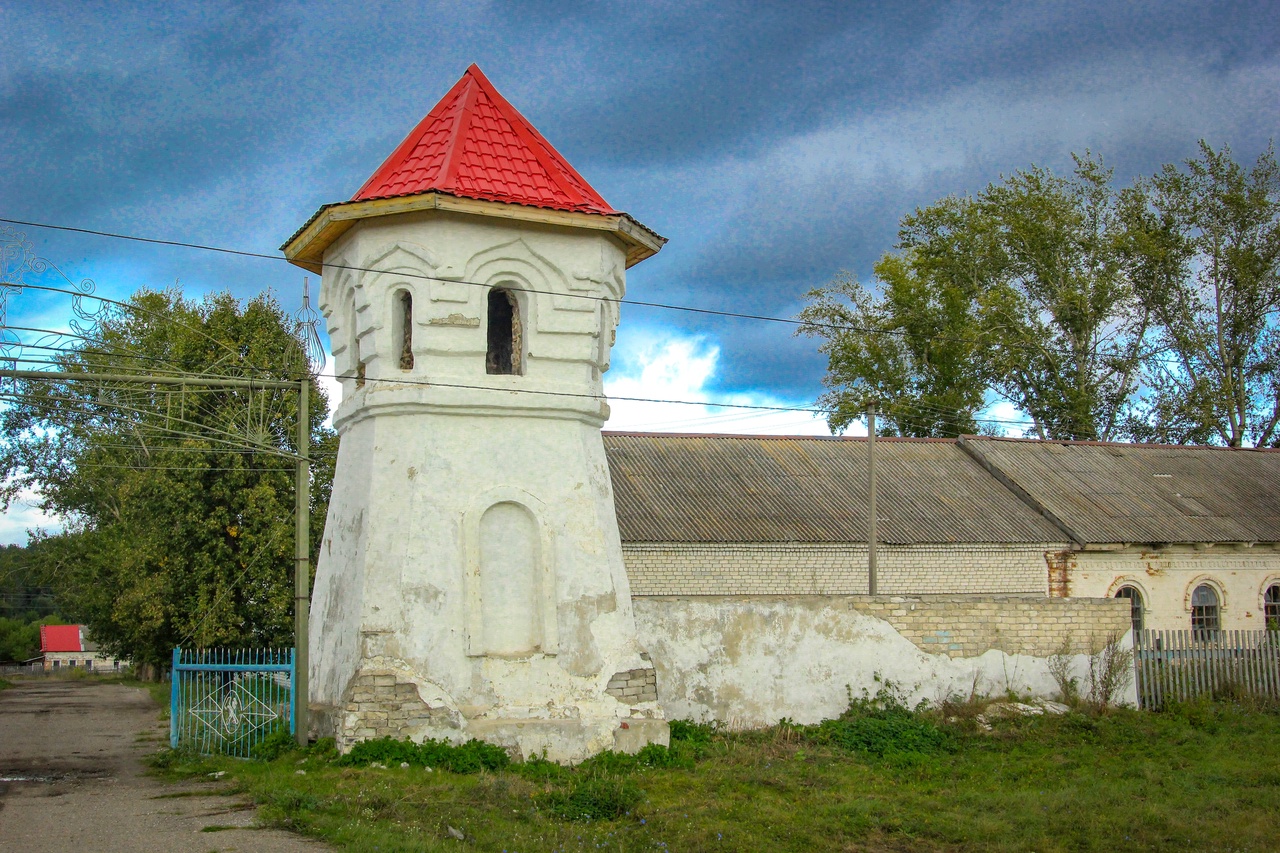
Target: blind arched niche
509,584
510,580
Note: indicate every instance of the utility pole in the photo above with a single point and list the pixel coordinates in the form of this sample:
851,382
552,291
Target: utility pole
302,563
871,496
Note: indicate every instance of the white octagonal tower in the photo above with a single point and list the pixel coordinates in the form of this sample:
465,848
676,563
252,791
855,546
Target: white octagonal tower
470,582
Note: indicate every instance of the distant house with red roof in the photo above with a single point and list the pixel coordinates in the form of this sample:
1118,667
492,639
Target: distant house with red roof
69,647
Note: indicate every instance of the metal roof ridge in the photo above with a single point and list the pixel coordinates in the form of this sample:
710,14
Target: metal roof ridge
453,151
1006,480
1082,442
555,163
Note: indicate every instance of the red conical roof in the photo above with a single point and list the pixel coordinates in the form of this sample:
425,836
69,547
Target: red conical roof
476,145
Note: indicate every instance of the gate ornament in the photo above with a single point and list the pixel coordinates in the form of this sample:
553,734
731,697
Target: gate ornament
233,711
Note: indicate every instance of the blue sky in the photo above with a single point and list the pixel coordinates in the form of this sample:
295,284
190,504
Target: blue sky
774,144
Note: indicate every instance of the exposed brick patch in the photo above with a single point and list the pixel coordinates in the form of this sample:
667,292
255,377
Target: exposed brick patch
967,626
384,704
634,685
1061,565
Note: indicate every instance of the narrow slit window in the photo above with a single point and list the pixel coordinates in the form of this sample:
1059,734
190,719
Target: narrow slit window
503,356
404,314
354,345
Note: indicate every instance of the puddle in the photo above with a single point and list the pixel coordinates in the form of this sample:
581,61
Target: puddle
49,779
29,779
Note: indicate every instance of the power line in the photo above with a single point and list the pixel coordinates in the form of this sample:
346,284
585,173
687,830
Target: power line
713,312
757,407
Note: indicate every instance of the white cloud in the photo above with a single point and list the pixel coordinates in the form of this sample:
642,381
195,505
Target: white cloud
1006,418
663,365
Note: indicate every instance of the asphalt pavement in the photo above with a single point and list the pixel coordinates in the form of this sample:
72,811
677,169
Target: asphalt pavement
72,778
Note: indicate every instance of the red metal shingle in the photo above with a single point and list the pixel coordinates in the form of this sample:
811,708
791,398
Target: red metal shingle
60,638
476,145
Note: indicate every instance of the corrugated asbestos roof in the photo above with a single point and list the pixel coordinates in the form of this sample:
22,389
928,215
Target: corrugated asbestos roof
675,488
474,144
1144,493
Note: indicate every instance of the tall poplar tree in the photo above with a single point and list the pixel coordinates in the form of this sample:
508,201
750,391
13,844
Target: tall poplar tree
917,345
1210,232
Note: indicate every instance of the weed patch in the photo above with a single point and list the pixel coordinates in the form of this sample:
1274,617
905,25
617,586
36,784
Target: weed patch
275,745
471,757
882,725
592,797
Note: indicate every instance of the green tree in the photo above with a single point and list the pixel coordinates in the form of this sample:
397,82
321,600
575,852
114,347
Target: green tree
25,593
179,516
1066,329
916,345
1025,291
1211,234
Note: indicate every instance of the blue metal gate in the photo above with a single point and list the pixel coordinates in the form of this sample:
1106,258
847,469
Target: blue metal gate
229,700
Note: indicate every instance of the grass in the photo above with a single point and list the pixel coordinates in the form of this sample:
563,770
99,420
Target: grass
880,778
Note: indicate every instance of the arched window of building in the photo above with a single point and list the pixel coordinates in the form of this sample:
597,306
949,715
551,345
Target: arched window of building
1271,607
1135,604
503,356
403,327
1204,609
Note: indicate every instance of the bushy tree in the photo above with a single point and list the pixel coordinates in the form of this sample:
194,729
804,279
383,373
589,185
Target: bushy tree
179,515
1024,291
1066,330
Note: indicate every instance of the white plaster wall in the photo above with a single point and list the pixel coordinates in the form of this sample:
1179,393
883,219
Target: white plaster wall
752,661
427,450
448,262
1167,576
804,568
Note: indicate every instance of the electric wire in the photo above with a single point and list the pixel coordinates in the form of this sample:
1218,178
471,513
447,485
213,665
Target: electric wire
789,321
815,411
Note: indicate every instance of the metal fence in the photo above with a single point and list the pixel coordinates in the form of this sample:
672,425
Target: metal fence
1175,666
229,700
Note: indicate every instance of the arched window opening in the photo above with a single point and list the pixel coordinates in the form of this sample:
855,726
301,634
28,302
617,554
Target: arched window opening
503,356
1271,607
1135,604
404,328
1204,609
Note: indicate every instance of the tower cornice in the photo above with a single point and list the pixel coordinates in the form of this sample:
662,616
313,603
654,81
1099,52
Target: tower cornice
307,246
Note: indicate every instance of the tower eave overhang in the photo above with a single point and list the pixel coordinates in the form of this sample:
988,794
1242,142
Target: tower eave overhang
307,246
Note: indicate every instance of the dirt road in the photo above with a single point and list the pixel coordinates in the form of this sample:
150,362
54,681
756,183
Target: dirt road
71,779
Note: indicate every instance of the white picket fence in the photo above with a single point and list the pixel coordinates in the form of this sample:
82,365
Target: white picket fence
1175,666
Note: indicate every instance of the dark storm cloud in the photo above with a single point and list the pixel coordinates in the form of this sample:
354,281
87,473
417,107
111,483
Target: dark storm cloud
775,144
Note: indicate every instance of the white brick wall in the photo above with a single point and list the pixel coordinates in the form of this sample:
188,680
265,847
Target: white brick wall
816,569
1166,577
